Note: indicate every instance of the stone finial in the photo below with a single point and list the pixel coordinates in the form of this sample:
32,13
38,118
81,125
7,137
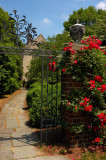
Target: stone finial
77,31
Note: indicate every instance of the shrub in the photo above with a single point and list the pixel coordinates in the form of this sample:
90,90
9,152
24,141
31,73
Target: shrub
10,73
49,102
34,73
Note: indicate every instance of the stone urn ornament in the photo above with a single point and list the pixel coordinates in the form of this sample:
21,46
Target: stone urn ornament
77,31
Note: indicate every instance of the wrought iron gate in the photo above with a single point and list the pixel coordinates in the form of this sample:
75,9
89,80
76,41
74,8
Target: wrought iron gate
50,76
50,91
50,114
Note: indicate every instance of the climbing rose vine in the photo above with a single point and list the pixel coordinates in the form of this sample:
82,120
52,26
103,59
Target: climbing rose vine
86,66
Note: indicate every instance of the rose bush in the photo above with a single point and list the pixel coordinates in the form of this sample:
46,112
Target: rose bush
87,66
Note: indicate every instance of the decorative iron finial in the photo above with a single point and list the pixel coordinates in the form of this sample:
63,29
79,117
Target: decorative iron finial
14,11
20,29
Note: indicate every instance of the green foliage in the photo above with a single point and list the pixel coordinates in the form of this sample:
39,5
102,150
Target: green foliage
100,26
94,21
34,70
76,95
10,65
6,26
90,64
34,73
7,30
10,73
57,42
49,102
93,156
77,128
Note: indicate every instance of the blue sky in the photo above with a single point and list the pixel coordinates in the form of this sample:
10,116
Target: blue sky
48,16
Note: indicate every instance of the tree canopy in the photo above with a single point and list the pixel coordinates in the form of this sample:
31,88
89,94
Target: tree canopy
57,42
94,21
7,30
10,65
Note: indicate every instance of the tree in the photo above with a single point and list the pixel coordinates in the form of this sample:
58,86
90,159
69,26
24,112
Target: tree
57,42
10,65
5,34
89,17
100,26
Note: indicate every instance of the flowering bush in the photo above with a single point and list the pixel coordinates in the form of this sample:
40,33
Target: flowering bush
87,66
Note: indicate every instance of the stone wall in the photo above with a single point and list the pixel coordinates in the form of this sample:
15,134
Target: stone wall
27,58
26,62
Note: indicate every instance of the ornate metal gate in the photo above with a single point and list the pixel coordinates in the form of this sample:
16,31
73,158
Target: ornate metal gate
50,91
50,76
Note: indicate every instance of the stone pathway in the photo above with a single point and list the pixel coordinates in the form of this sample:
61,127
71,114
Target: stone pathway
17,140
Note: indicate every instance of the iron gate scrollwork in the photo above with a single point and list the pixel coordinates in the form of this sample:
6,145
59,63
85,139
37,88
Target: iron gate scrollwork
18,28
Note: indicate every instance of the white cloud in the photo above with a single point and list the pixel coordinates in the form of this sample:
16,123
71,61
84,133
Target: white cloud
101,5
46,20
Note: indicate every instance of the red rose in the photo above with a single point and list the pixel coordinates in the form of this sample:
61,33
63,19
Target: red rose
68,103
94,37
101,116
98,89
73,51
89,108
75,62
97,140
65,48
86,99
92,84
50,57
85,47
103,88
64,69
93,45
98,78
82,104
52,66
70,44
76,107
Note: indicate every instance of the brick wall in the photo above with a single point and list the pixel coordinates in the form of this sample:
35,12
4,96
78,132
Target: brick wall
68,137
68,83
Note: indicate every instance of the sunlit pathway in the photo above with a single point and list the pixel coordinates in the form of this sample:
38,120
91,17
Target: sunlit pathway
17,140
